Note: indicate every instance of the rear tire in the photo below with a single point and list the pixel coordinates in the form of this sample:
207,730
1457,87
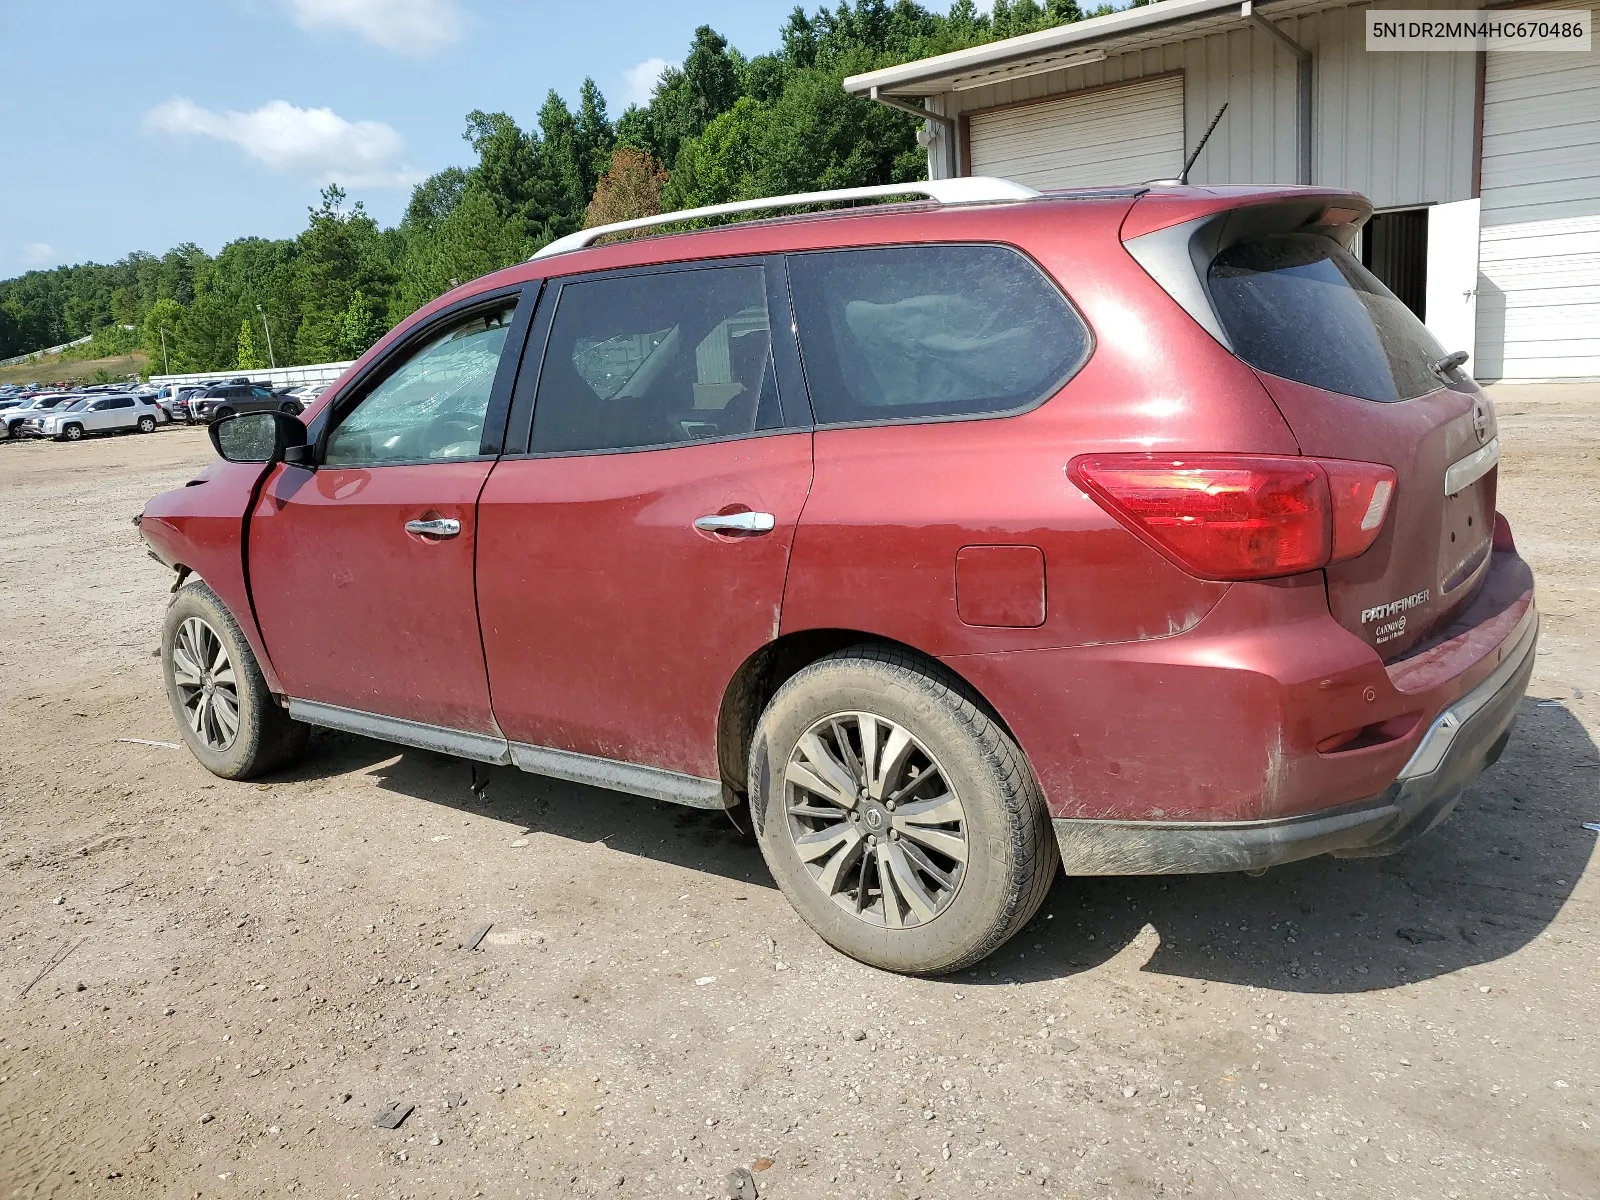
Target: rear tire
220,413
147,424
945,874
218,695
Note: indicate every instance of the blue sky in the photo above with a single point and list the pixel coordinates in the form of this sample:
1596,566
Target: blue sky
139,126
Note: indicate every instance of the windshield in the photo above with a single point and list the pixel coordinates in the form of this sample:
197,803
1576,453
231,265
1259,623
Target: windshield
75,406
1300,306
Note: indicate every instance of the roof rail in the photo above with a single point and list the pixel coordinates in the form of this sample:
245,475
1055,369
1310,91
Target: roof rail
974,189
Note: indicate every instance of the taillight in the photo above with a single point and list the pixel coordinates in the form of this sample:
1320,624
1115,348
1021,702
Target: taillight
1231,516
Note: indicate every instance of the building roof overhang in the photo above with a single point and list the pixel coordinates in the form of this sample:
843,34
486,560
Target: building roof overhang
1077,43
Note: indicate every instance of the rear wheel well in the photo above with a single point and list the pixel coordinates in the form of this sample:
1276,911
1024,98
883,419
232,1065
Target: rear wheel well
761,675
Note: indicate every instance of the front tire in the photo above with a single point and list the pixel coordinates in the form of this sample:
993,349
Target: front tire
72,433
218,695
896,814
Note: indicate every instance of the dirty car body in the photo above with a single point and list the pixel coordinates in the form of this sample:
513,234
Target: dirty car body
1233,583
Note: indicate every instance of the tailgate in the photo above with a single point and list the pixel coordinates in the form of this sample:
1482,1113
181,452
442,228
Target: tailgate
1435,545
1357,376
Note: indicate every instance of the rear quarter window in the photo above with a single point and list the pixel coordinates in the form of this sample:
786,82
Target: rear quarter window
926,332
1301,306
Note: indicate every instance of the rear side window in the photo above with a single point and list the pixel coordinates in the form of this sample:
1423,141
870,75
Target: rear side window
658,359
1300,306
905,332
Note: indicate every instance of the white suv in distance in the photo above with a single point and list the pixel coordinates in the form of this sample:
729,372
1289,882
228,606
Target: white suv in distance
96,414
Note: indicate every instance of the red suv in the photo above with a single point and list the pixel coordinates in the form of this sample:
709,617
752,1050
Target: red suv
1139,529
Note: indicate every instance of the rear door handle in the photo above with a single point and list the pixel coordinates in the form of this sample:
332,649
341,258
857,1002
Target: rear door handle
744,522
441,527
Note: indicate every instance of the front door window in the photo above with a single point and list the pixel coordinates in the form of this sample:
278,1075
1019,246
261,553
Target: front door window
432,406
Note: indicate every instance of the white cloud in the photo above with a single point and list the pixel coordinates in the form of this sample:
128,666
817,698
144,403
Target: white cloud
415,27
639,80
37,254
313,142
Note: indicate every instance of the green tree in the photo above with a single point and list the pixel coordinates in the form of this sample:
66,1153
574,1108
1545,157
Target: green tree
158,336
363,325
593,136
725,162
472,241
340,253
434,199
245,357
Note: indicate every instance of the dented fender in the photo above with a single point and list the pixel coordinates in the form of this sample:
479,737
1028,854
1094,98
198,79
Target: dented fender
198,529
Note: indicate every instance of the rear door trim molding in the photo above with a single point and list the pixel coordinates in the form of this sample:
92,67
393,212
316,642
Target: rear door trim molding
654,782
658,784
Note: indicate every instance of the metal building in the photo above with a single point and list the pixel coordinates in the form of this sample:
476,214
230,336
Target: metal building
1485,168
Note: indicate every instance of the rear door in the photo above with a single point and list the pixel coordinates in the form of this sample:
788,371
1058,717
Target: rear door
1357,376
101,415
120,412
632,554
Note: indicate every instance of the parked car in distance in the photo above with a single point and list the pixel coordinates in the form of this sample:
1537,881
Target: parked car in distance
1139,530
96,414
35,406
225,399
173,400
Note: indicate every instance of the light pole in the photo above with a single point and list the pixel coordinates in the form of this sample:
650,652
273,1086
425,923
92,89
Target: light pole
271,357
166,367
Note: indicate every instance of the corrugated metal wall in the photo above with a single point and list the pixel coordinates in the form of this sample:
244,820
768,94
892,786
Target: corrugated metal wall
1539,266
1397,127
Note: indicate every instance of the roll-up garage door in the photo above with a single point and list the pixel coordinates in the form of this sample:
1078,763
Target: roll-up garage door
1127,133
1539,256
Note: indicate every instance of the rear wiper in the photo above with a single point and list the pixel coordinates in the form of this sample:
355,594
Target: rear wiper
1443,366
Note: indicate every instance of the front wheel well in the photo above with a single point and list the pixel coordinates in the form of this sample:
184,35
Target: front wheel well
761,675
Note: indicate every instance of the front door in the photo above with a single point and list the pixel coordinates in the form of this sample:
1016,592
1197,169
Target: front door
362,567
634,557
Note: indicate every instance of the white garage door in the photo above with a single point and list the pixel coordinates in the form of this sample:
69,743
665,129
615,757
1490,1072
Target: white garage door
1131,133
1539,259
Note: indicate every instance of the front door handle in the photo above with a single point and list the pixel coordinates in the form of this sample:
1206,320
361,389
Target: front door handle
440,527
742,522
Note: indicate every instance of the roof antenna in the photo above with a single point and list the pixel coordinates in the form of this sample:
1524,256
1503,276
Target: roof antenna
1183,176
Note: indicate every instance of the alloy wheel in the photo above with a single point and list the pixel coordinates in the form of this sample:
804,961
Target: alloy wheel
875,820
207,686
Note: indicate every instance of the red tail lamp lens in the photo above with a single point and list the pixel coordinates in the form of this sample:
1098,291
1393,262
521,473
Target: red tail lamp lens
1361,494
1236,517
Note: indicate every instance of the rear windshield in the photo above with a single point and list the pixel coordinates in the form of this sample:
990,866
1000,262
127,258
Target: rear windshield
1300,306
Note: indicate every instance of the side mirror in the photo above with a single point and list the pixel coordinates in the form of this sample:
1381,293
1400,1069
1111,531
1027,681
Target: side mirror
259,437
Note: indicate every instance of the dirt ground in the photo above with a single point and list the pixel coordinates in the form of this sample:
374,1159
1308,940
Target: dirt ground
210,989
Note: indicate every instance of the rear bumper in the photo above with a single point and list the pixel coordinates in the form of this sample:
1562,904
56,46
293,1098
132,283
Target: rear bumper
1464,740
